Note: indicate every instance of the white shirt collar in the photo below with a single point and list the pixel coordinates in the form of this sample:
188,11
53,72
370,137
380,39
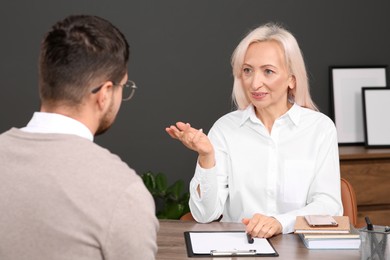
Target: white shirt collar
293,113
43,122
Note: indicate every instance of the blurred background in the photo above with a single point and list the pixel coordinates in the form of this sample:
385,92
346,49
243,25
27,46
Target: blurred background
180,60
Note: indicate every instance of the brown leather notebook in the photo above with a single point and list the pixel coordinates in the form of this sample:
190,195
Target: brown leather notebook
301,226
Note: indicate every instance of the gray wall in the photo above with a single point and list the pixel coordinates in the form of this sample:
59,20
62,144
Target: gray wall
181,61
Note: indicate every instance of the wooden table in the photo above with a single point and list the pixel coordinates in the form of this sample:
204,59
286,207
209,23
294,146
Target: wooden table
171,245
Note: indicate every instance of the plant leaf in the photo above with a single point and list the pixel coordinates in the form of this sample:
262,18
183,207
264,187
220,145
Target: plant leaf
174,191
169,200
149,181
173,210
161,184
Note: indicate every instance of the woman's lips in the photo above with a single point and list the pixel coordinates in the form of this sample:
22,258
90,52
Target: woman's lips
258,95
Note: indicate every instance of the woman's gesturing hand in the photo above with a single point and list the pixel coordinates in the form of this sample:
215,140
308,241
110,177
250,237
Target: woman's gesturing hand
195,140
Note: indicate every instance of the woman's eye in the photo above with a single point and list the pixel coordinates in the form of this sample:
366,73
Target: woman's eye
269,72
247,70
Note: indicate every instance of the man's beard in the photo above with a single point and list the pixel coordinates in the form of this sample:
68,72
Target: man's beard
107,121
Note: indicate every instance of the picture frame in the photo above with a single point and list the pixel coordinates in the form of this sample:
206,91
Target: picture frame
346,98
376,104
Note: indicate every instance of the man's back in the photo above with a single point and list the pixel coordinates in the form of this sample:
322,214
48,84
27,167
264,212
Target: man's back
64,197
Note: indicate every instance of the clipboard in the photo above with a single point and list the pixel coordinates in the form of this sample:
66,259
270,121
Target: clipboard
226,243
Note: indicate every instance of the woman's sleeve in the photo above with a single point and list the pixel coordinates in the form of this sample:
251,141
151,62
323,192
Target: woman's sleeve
213,183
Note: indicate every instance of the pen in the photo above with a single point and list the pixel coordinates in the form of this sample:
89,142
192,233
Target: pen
374,244
369,224
249,238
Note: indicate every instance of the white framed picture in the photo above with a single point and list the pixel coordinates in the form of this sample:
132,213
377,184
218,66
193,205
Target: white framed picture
346,94
376,106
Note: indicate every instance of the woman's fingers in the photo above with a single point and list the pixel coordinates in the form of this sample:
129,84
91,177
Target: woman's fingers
183,126
262,226
245,221
173,132
189,136
195,140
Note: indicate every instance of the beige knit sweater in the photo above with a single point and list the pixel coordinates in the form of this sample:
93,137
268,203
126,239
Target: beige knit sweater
65,197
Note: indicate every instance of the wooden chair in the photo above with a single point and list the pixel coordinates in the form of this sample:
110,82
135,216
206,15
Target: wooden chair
187,217
348,199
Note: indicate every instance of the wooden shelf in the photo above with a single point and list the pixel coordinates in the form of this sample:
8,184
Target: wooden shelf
368,170
360,152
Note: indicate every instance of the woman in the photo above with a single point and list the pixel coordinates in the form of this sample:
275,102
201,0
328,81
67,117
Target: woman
275,157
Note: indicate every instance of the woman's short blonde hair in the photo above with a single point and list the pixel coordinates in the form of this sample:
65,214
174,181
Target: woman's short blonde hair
293,57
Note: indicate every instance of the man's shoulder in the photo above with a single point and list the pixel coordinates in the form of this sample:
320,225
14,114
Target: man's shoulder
102,162
71,155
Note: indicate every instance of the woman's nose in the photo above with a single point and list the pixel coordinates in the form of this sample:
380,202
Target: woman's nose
257,82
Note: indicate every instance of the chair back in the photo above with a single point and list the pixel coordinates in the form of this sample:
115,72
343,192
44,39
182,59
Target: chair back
187,217
348,199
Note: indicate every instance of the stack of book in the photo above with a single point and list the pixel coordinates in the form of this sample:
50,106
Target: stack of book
342,236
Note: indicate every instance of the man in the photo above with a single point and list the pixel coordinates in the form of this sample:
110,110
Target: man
61,195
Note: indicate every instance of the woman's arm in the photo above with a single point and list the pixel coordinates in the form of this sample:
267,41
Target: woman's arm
209,186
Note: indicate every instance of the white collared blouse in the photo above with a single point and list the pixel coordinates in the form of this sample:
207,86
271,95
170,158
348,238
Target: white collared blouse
292,171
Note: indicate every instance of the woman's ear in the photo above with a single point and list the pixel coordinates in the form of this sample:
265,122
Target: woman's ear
292,82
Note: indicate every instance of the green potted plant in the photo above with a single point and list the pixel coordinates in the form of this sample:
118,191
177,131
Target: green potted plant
171,201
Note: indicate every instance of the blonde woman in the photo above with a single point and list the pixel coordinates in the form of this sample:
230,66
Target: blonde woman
275,157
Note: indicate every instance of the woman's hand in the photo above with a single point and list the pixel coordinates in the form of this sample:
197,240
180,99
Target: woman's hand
262,226
195,140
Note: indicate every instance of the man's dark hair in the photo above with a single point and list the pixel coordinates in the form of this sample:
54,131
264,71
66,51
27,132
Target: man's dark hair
77,51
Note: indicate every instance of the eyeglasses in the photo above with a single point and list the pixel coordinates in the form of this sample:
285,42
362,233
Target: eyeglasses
128,89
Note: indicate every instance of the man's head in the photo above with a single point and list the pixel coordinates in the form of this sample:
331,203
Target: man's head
78,54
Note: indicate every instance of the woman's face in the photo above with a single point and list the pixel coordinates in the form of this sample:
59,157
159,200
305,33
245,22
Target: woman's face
266,78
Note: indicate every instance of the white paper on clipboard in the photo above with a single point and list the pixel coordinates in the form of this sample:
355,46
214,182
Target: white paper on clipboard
228,241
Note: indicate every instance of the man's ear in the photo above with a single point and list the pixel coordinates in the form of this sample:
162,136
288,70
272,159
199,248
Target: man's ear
104,94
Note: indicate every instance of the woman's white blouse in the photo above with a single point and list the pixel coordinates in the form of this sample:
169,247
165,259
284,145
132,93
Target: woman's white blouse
291,172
